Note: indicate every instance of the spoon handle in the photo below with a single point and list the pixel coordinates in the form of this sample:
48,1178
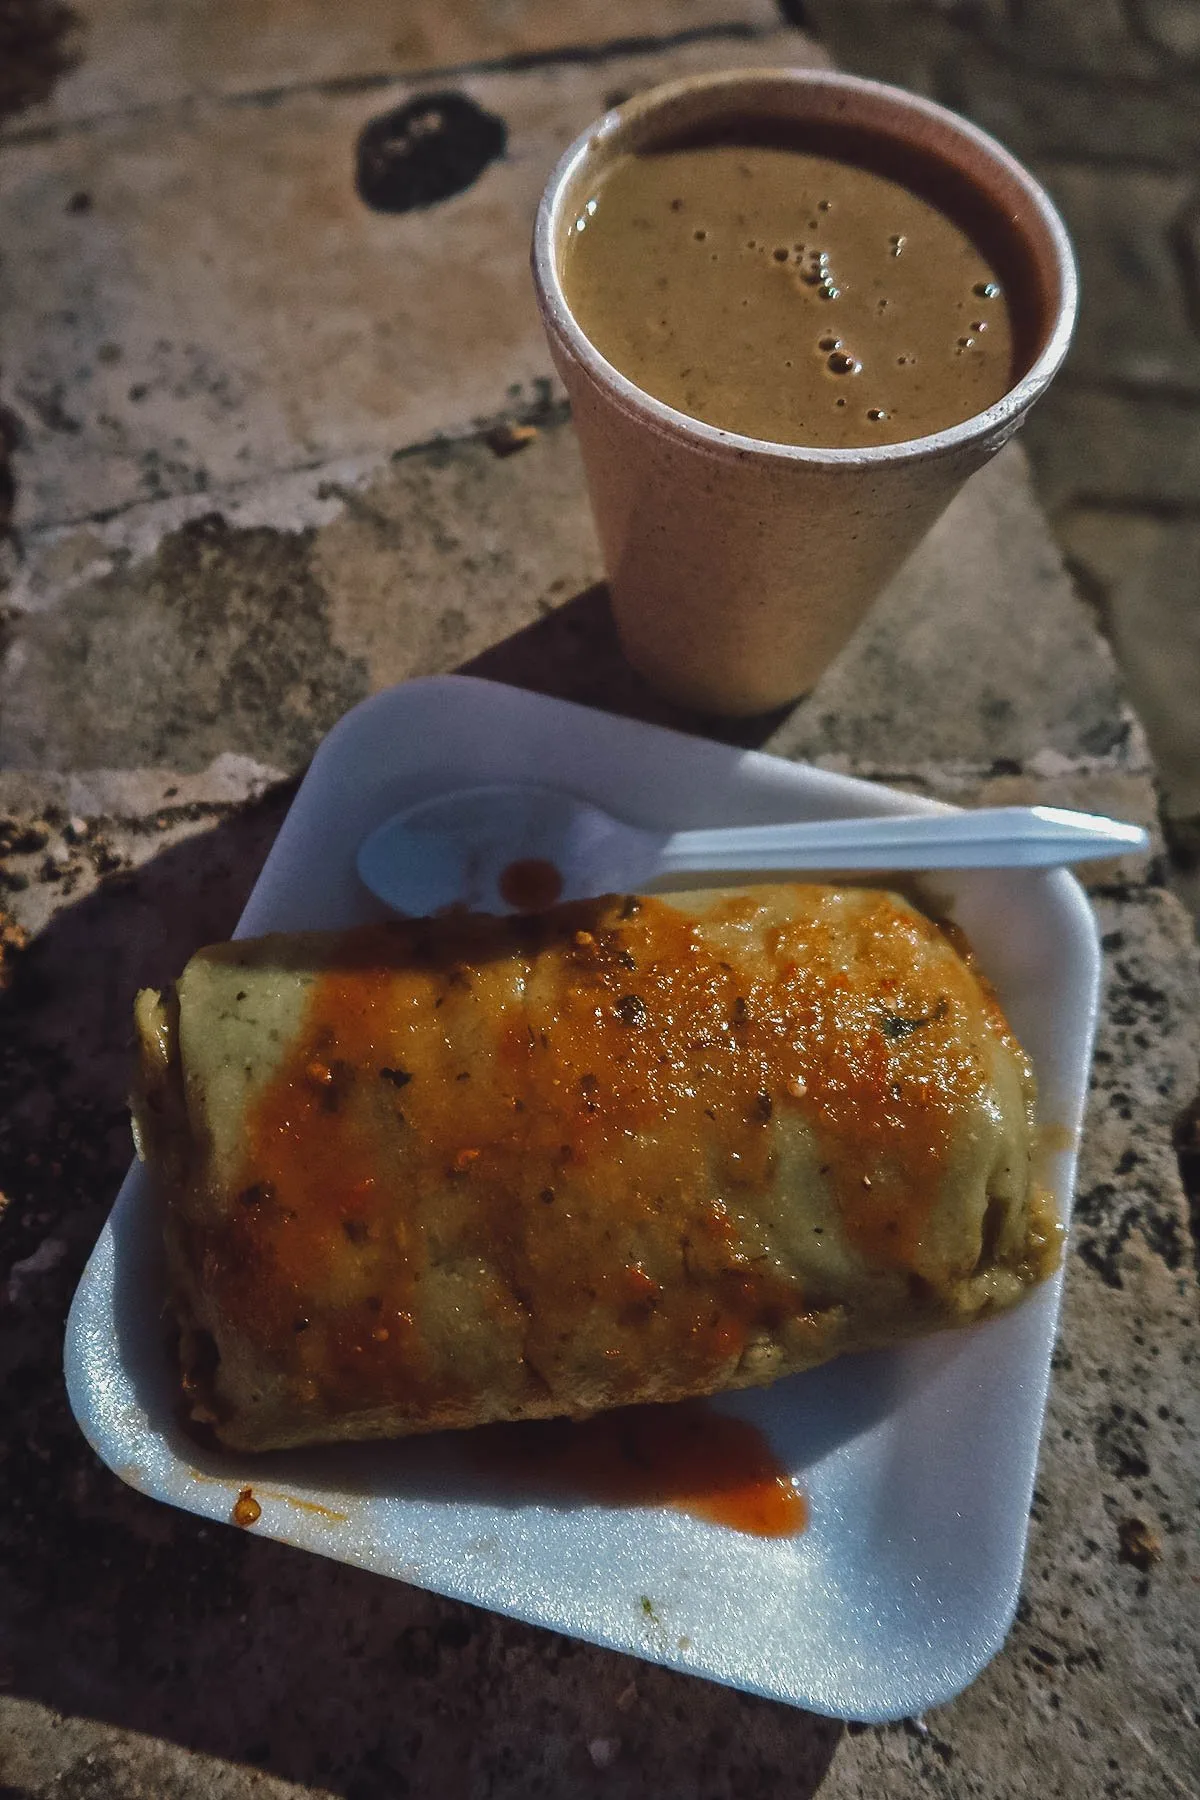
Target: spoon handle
1011,837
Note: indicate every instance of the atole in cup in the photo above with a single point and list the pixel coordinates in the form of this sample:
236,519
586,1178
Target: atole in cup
793,312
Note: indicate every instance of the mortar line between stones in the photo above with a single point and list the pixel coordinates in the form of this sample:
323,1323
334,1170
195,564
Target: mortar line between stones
515,63
539,412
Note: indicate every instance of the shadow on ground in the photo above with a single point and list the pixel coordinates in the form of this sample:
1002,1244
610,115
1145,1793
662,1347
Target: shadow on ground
119,1609
573,654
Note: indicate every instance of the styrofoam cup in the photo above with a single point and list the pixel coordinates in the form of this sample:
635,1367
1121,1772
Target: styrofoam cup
738,568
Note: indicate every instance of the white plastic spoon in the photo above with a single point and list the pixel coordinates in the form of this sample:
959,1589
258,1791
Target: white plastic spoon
517,848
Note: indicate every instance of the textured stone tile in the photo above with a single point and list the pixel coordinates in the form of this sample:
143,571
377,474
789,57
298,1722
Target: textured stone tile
1145,575
64,835
1095,39
1088,444
1187,245
452,557
1047,113
228,305
80,1759
1055,35
138,53
1172,25
1134,322
888,40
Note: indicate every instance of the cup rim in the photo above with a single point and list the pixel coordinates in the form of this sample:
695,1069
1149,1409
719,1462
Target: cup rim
986,429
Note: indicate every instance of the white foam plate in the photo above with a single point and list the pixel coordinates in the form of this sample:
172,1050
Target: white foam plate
918,1463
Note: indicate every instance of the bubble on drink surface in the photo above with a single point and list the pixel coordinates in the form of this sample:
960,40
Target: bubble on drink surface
824,205
965,343
699,234
978,324
829,342
829,292
842,363
841,401
986,290
876,413
896,243
780,253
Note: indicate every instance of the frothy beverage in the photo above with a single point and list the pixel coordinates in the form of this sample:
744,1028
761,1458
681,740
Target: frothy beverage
788,295
848,299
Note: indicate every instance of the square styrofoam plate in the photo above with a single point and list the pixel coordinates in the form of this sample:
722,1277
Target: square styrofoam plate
918,1463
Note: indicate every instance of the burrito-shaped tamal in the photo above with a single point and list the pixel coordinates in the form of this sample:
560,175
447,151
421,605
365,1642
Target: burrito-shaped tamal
443,1172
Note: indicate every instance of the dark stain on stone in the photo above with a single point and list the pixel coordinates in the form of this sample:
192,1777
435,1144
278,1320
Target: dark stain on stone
1120,1445
425,152
49,409
10,438
34,51
219,641
1186,1138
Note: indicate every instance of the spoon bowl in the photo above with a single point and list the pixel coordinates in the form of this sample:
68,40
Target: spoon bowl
516,847
475,846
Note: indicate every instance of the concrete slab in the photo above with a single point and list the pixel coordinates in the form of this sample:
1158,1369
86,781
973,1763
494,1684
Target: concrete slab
226,305
454,557
1130,453
1145,576
1136,326
130,55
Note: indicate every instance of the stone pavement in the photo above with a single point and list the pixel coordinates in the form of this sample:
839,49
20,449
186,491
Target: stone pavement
1102,99
261,469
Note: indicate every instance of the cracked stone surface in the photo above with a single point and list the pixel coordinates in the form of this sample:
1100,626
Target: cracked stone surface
1102,99
453,557
1155,565
1136,327
170,654
139,54
226,306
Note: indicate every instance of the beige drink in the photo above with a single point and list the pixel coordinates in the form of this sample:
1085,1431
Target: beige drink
787,295
749,505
